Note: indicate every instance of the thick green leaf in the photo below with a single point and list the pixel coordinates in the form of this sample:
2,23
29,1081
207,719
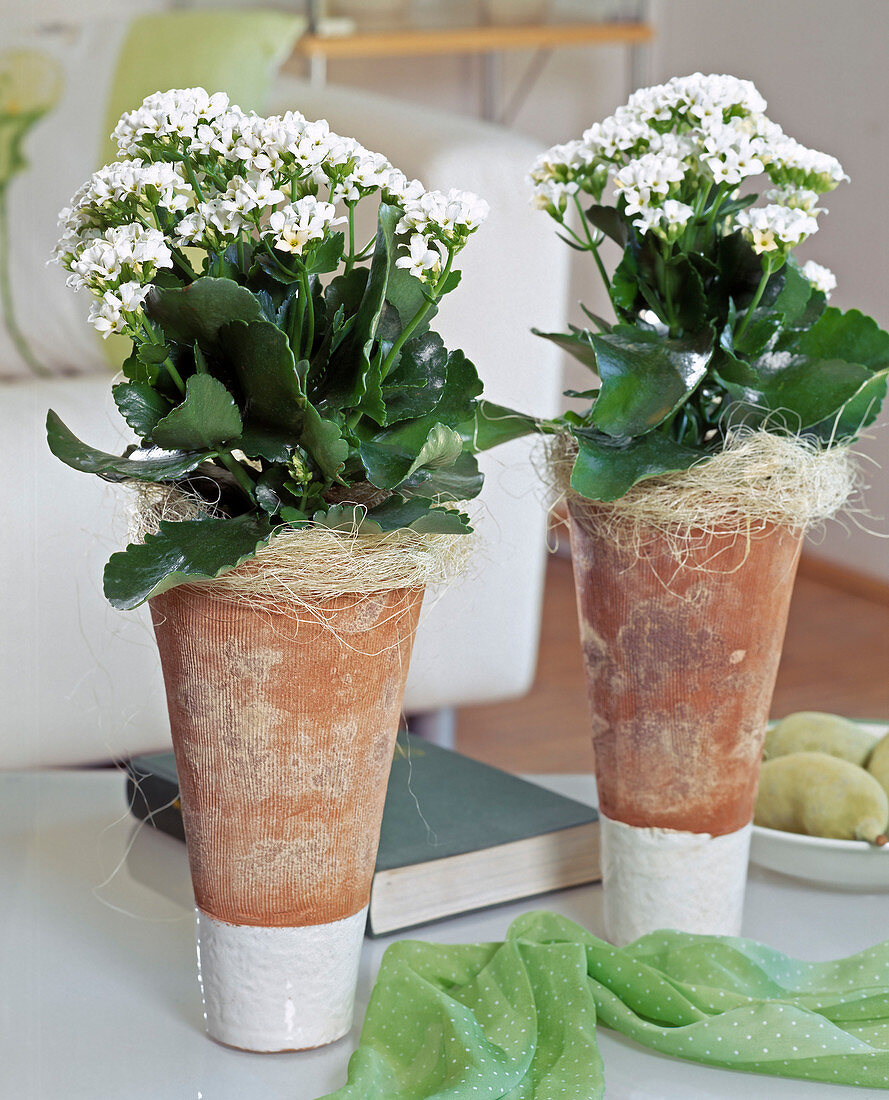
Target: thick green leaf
326,257
342,383
418,515
141,406
495,424
610,221
644,378
261,443
795,294
266,369
605,471
740,269
857,413
579,344
851,336
188,550
207,417
407,294
198,311
140,463
461,481
688,296
392,456
417,384
625,286
324,441
792,391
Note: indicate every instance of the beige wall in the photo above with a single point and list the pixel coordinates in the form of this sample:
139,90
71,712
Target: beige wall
823,65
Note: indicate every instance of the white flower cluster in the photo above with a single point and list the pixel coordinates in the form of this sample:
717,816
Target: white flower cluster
117,266
773,227
301,222
821,278
692,141
208,174
438,224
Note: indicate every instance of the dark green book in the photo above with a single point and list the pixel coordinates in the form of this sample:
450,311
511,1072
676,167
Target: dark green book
457,835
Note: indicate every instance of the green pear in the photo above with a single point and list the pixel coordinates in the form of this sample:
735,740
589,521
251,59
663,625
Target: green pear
813,731
878,763
820,795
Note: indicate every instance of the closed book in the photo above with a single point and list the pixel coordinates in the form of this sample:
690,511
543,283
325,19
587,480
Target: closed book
457,835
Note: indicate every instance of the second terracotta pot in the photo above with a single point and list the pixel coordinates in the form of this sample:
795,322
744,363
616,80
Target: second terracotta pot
284,726
681,658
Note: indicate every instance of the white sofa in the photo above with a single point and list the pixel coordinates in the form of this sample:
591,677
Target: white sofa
81,683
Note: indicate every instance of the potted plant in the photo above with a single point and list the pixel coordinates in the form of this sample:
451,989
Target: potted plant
716,430
297,462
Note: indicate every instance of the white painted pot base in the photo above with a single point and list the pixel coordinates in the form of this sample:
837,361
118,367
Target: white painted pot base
274,989
666,878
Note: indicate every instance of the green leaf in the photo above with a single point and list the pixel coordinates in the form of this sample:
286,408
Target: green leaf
417,384
740,270
688,295
324,441
140,463
851,336
495,424
795,294
610,221
418,515
258,442
188,550
198,311
407,294
342,382
207,417
857,413
327,255
644,378
265,366
141,406
790,391
606,471
461,481
392,456
578,343
756,337
625,286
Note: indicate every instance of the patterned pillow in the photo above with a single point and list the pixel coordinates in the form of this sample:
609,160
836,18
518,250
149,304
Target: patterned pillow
61,91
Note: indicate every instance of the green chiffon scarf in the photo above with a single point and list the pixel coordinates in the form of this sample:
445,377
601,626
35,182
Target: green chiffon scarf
518,1019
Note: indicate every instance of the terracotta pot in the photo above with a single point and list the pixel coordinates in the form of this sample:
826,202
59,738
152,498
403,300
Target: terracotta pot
284,729
681,660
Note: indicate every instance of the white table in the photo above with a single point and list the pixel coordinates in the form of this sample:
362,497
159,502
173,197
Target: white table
98,996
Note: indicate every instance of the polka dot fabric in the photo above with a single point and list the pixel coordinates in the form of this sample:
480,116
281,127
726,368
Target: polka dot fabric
517,1019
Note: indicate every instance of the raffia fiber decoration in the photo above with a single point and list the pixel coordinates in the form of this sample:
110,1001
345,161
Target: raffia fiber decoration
760,479
300,567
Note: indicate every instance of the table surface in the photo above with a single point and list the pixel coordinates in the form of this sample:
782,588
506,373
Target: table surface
98,995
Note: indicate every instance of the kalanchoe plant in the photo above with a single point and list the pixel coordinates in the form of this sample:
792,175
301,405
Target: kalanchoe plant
716,324
280,370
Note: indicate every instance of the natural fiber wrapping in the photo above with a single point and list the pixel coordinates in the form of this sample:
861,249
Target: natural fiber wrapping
758,481
300,566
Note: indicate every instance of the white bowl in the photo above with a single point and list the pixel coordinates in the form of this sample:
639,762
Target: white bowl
842,864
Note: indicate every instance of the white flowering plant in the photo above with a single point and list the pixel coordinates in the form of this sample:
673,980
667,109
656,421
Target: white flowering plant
715,324
279,370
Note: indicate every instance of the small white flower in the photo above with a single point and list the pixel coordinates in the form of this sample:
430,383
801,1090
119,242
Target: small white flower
302,222
422,261
821,278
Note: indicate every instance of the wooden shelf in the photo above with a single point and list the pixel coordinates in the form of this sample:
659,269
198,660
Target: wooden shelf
463,40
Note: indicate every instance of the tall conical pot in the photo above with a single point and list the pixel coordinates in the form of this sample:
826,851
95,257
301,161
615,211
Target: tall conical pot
284,722
681,652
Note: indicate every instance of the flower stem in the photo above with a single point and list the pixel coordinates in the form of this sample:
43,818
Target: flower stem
238,472
350,259
409,328
754,301
308,327
592,247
